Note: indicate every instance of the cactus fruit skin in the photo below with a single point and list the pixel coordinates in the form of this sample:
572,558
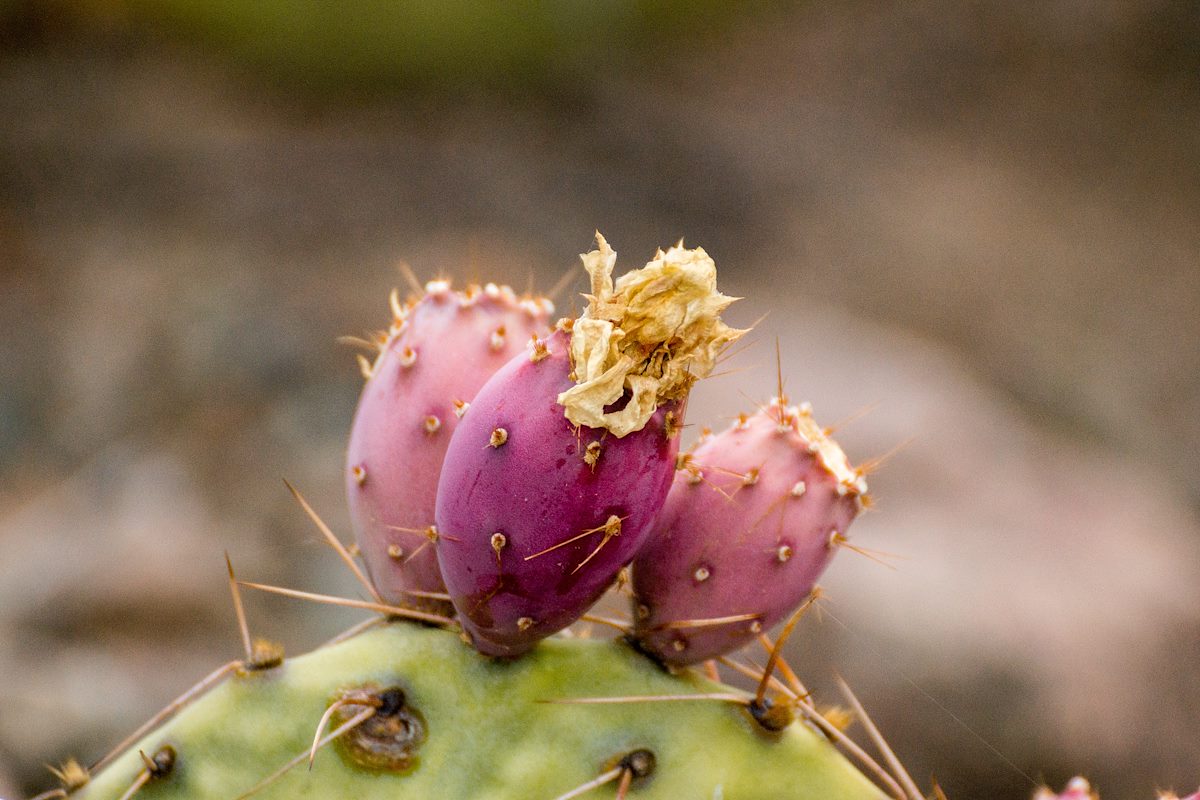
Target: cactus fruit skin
503,509
439,352
488,732
746,530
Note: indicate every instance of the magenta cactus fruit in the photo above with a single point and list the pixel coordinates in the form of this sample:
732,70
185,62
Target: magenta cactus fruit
557,472
752,519
437,353
536,515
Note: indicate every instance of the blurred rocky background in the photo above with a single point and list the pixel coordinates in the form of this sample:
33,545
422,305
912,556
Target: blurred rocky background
978,222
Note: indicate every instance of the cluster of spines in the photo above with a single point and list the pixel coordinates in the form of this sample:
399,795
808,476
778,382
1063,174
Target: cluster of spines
798,420
537,308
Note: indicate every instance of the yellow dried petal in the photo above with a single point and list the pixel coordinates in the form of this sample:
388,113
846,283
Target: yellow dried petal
654,333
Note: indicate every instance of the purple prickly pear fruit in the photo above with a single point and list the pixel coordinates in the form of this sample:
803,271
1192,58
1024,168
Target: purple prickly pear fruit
555,475
537,516
439,350
752,519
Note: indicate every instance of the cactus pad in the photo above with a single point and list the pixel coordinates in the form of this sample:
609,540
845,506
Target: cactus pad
451,723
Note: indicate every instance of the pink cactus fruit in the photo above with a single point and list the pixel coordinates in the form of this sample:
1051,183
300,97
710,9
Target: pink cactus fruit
437,353
1076,789
537,516
753,518
555,475
1173,796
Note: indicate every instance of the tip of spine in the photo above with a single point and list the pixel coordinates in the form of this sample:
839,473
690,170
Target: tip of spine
591,454
799,420
537,307
399,312
538,349
468,297
671,425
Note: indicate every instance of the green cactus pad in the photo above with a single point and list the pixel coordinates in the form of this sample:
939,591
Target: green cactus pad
489,733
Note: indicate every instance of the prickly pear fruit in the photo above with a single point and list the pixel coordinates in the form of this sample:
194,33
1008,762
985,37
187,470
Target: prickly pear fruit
558,470
453,726
438,352
536,516
751,521
1076,789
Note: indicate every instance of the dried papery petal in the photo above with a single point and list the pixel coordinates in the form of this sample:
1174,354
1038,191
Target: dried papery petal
650,335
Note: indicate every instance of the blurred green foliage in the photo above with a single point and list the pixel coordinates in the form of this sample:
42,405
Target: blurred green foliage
407,43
